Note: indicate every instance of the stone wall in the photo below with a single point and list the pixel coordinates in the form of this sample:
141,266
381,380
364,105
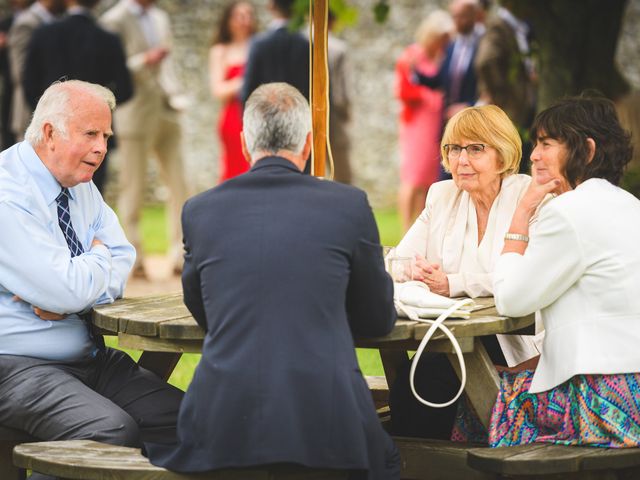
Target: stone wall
374,49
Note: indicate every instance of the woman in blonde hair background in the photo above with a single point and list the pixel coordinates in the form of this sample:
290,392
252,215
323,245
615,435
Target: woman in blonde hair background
456,241
420,115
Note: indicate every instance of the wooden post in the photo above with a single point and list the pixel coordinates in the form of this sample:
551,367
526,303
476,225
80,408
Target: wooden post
319,98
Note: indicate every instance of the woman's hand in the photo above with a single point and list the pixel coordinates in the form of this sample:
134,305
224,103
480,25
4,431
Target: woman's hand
432,275
536,192
530,364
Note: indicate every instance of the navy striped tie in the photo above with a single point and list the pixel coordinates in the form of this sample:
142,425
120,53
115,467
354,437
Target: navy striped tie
64,220
76,248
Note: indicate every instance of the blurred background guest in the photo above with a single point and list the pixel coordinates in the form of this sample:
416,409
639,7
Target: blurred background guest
7,138
77,48
278,54
420,115
149,123
340,105
227,59
505,71
456,76
39,13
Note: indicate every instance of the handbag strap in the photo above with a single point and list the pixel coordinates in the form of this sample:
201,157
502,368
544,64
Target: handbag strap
435,325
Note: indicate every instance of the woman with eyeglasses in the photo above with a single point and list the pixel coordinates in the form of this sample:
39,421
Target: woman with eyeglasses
581,269
456,242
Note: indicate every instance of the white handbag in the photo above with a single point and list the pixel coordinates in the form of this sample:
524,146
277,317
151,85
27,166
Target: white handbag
415,300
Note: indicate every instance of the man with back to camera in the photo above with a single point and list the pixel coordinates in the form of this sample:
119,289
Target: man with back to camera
62,251
278,54
76,47
279,381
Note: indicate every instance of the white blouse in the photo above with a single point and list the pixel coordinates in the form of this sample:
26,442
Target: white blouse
446,233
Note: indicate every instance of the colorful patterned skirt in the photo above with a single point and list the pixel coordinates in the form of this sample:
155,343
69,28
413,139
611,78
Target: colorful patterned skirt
594,410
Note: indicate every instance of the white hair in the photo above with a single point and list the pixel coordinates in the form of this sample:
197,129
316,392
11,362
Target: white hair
54,107
434,26
276,117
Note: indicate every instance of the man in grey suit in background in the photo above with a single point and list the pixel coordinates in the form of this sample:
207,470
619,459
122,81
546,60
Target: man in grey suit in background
149,123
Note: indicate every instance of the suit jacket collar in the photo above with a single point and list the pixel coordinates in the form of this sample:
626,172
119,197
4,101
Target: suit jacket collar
271,162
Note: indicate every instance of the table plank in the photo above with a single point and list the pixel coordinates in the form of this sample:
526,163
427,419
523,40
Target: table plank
108,316
484,322
155,344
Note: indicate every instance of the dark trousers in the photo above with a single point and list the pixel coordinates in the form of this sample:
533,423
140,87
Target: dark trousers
108,398
435,380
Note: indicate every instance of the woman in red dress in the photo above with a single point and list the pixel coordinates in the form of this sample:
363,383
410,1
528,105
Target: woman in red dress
227,58
420,115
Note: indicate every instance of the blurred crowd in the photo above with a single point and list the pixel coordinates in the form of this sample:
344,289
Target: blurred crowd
467,56
474,54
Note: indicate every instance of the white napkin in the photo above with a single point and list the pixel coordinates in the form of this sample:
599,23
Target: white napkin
414,299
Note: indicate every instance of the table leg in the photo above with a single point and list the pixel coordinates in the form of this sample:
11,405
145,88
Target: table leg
391,361
483,382
160,363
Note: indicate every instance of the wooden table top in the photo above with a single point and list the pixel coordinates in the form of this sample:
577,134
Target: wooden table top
165,319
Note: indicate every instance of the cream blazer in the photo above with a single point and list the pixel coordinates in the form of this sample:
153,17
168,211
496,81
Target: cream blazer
440,232
582,271
156,88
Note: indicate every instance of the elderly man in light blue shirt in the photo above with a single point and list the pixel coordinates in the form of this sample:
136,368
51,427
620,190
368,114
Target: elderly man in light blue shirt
62,250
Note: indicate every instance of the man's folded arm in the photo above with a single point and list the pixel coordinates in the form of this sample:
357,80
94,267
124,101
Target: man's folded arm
123,254
41,272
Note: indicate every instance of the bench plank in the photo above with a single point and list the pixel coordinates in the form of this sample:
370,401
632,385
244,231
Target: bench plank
424,459
551,459
89,460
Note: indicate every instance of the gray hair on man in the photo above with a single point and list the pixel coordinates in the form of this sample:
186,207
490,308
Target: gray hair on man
54,107
276,117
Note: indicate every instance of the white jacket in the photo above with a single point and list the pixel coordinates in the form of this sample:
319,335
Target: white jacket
582,271
441,232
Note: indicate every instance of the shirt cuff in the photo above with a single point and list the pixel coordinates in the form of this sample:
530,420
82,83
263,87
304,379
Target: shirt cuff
456,284
102,251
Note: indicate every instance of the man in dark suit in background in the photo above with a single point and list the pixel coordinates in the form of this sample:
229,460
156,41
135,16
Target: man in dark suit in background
281,270
76,48
456,76
278,55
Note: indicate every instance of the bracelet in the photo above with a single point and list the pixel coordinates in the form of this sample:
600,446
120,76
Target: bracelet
516,236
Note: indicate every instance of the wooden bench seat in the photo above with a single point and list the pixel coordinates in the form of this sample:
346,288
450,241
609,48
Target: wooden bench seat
424,459
89,460
540,461
379,390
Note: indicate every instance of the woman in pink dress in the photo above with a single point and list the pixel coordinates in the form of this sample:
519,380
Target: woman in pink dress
227,57
420,115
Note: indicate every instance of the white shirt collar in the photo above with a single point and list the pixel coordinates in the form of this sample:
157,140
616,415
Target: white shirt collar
277,23
137,9
45,15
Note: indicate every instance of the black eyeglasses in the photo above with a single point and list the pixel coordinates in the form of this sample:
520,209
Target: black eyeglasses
474,150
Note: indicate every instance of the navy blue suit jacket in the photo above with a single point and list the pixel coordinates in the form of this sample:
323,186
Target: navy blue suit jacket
442,79
77,48
277,55
281,270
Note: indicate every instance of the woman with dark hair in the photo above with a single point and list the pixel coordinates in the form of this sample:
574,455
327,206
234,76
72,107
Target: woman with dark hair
227,58
581,269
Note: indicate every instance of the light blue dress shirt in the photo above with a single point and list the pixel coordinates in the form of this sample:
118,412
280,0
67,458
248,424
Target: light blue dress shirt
36,264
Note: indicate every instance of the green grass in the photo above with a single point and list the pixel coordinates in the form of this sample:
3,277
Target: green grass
154,241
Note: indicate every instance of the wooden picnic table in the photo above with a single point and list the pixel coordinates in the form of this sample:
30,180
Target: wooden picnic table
162,327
